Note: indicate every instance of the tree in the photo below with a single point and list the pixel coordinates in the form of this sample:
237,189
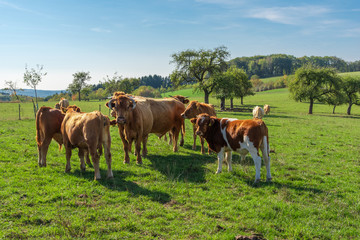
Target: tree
242,84
197,67
12,87
351,89
313,83
79,82
33,77
335,98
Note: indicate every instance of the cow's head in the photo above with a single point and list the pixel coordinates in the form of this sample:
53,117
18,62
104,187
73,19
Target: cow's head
122,107
180,98
202,123
57,106
71,108
191,110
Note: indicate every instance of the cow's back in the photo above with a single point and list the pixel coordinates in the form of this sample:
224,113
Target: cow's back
166,114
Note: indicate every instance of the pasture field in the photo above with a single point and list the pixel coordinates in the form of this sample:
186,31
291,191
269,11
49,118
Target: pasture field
315,192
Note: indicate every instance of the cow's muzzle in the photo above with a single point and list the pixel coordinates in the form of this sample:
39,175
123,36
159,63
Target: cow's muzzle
121,120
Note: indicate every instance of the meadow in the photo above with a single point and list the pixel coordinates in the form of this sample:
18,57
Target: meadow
314,194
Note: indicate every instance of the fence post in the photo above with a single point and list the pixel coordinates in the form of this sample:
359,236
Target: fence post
19,112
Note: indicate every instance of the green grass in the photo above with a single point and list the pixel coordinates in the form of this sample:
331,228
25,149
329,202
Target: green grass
315,192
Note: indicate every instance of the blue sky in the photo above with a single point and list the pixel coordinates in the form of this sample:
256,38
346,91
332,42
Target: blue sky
136,37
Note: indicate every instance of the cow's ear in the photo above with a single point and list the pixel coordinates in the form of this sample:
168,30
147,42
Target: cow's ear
212,121
193,120
110,103
186,101
63,109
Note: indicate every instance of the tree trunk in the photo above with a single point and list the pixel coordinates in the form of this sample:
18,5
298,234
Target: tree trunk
79,96
206,97
349,109
242,100
231,103
334,109
222,104
311,106
37,105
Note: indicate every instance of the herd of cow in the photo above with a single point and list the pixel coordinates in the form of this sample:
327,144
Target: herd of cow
137,117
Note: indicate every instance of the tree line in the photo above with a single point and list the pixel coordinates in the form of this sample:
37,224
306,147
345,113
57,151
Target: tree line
281,64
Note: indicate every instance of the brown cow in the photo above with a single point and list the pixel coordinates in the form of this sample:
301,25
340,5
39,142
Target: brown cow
193,109
48,123
135,121
180,98
226,135
162,115
88,132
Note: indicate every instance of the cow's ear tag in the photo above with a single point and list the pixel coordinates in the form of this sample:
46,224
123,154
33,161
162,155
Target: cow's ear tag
210,124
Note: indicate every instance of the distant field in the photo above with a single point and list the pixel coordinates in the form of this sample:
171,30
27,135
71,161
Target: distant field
315,192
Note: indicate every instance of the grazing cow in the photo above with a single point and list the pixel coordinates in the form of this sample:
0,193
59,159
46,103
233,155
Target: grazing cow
258,112
88,132
193,109
63,103
267,109
226,135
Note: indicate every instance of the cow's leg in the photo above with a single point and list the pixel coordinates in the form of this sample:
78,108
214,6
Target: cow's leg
194,137
220,160
81,154
265,149
175,134
144,150
107,145
95,159
202,141
257,161
88,161
137,150
228,157
170,137
68,157
44,149
182,134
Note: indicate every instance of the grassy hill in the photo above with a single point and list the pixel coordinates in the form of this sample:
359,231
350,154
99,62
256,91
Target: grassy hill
315,192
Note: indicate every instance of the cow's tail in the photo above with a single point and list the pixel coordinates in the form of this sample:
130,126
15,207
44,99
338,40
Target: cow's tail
38,136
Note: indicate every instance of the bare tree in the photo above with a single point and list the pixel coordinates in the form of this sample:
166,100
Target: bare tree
33,77
12,86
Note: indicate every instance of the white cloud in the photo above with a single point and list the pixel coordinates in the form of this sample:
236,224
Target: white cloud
288,15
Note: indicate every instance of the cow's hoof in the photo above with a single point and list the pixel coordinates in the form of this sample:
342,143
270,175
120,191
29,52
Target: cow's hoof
269,179
126,162
181,143
139,162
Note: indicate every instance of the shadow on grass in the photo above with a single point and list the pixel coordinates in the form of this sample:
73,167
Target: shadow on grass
186,168
118,183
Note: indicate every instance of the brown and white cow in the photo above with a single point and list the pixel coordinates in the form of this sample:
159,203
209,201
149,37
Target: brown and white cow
192,110
226,135
88,132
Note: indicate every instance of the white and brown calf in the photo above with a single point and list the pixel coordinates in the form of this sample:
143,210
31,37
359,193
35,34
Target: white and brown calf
244,136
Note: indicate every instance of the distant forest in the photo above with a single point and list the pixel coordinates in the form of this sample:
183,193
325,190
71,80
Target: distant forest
280,64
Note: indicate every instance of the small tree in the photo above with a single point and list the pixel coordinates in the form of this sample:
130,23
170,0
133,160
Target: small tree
12,87
312,83
79,82
351,90
33,77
